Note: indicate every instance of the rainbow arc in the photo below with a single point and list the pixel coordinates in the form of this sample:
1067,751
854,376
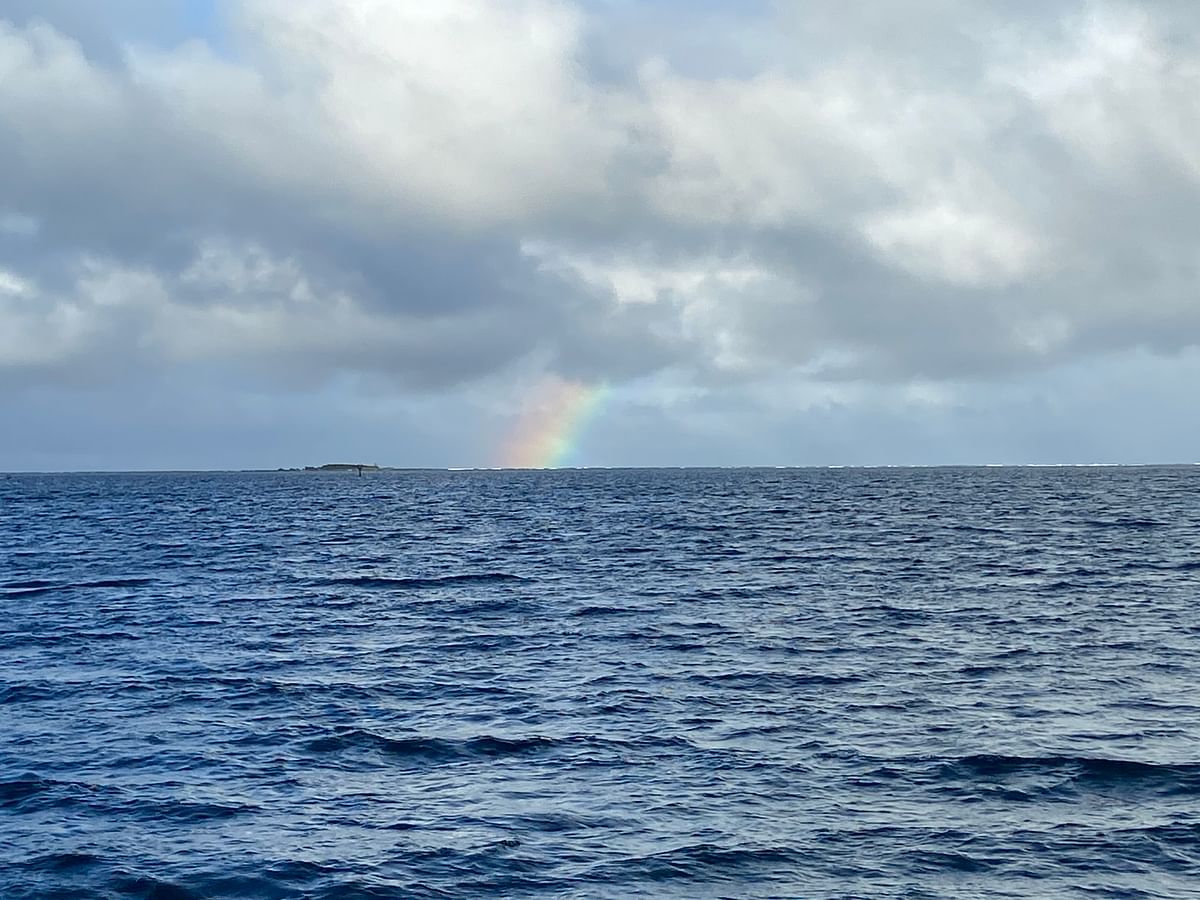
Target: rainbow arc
548,431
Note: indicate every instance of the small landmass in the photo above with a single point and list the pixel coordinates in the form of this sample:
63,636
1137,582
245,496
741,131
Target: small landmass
358,468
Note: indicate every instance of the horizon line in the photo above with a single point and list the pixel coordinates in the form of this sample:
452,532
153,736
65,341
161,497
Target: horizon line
739,467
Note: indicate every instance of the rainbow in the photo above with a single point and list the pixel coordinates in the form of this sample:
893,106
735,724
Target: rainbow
548,430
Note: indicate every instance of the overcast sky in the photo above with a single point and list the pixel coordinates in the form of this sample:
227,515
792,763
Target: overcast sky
264,233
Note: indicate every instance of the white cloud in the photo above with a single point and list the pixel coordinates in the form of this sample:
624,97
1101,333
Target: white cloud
475,112
955,245
40,331
12,285
1117,91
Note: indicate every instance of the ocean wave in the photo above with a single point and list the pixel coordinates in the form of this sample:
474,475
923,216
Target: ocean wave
698,862
426,748
37,587
436,750
382,582
1084,772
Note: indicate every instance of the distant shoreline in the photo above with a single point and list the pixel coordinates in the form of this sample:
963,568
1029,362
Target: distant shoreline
342,467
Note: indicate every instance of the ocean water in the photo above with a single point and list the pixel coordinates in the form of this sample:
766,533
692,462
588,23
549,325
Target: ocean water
662,683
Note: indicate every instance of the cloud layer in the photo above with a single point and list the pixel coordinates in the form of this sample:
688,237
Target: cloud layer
796,200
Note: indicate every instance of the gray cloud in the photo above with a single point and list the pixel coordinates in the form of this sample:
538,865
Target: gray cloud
826,193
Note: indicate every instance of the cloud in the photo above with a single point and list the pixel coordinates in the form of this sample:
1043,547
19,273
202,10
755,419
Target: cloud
443,194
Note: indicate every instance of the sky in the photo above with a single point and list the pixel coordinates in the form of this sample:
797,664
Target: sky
276,233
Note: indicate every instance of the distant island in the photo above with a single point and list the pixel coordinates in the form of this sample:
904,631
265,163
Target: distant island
343,467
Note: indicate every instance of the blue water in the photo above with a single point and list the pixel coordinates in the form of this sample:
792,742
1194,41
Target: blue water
756,683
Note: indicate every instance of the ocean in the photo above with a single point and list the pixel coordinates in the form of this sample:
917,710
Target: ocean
919,683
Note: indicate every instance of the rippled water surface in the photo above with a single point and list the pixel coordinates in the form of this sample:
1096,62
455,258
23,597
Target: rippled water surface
755,683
